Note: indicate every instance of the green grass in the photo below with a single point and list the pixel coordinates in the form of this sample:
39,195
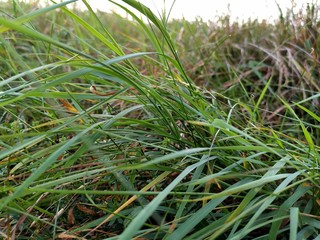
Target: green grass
118,129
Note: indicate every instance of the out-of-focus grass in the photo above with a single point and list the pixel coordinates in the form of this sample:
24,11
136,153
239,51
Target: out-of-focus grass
179,130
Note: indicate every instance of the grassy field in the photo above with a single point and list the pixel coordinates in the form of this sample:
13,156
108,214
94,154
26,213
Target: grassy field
118,129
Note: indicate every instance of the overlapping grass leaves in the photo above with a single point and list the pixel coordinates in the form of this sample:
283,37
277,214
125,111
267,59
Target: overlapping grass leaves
136,149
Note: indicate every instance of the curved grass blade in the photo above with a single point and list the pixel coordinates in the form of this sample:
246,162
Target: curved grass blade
140,219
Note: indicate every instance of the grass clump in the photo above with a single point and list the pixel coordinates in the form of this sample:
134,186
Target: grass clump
141,130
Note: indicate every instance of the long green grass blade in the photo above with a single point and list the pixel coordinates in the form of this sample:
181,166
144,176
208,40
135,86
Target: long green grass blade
140,219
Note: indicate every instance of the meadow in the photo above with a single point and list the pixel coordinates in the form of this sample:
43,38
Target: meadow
128,129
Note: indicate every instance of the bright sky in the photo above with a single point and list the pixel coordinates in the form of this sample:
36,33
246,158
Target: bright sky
208,9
